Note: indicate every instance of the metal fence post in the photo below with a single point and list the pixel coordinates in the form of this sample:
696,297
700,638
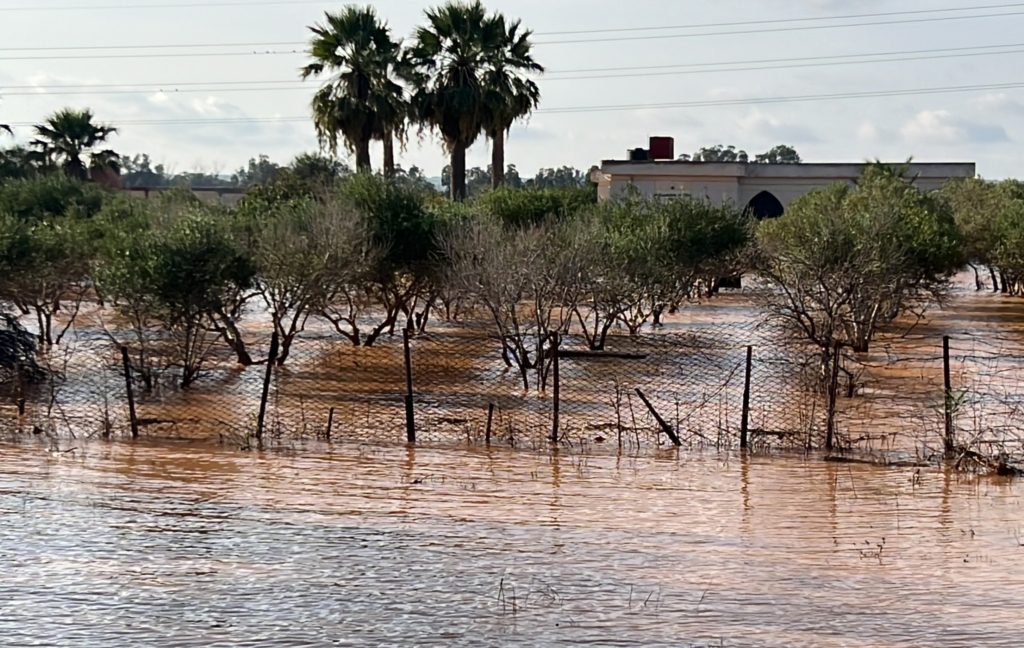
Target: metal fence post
130,391
833,393
271,359
410,416
745,424
950,440
556,396
330,424
490,421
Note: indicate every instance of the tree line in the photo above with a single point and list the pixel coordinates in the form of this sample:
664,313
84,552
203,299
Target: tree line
368,255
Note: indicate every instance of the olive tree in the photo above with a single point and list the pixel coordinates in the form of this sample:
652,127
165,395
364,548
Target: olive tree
521,276
396,263
644,256
179,280
978,206
311,256
846,260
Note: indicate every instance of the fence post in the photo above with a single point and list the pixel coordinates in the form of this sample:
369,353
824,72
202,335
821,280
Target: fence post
271,359
557,395
833,393
131,392
950,440
330,423
490,420
410,417
745,424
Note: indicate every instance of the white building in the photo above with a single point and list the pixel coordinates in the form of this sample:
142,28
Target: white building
767,189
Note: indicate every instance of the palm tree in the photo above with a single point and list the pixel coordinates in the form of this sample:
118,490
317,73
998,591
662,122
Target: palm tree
449,58
68,135
509,95
361,100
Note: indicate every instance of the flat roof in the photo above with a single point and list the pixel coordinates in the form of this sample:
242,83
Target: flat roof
759,170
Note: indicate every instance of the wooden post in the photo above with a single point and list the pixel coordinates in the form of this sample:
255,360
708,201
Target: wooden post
950,440
745,424
330,423
271,359
490,421
130,391
833,389
410,417
665,427
557,394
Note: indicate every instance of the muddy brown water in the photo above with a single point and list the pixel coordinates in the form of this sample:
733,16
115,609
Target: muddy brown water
190,545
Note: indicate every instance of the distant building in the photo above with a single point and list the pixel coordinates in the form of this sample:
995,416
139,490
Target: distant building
227,196
765,189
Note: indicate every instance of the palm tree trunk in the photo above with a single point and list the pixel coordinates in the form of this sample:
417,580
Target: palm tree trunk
389,155
497,158
459,172
363,157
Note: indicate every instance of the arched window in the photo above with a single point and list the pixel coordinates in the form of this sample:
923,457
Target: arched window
765,205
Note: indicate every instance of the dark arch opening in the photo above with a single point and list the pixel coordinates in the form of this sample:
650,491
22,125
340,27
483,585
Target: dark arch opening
765,205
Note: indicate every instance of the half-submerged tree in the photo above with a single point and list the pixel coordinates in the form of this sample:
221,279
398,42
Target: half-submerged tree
845,261
68,136
362,99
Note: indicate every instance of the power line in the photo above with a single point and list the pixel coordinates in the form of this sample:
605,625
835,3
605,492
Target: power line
623,107
553,42
738,32
702,68
162,5
743,23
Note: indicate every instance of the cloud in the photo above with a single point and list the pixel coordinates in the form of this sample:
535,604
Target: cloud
942,127
759,125
997,102
868,132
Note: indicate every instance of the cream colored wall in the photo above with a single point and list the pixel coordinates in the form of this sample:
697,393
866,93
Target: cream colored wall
717,190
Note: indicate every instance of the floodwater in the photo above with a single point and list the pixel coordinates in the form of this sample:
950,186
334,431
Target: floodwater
189,545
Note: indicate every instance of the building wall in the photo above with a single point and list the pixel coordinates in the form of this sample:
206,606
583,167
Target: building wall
739,183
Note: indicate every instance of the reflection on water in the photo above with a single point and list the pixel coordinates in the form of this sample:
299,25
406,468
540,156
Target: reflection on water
119,545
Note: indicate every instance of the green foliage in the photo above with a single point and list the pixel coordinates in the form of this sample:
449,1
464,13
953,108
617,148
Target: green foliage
50,196
68,135
399,222
780,154
524,207
182,275
845,260
362,101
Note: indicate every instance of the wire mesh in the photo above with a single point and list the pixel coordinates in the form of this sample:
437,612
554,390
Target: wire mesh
687,379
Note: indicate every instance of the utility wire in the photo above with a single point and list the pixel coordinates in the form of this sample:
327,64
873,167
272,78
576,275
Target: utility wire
642,106
162,5
290,84
542,42
799,28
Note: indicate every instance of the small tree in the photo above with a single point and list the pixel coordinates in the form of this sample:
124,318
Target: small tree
308,252
844,260
183,277
521,276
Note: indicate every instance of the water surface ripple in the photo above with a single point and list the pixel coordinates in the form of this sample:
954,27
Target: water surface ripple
164,545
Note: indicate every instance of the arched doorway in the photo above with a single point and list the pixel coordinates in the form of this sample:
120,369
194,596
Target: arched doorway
765,205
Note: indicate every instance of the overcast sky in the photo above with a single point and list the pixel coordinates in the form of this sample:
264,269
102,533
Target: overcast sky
982,125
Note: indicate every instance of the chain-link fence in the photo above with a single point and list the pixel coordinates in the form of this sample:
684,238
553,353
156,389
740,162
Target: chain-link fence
697,386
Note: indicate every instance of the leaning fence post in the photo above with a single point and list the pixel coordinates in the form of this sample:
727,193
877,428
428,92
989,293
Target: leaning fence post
410,417
330,424
131,392
271,359
745,424
950,440
557,394
833,393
